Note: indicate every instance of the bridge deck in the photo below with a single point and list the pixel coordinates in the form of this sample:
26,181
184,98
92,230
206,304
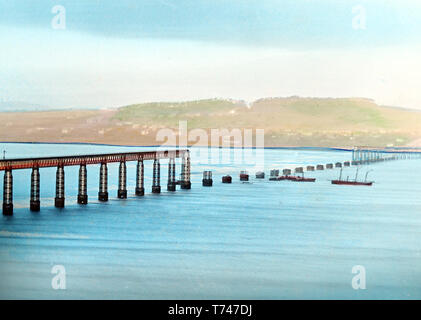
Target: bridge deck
389,149
43,162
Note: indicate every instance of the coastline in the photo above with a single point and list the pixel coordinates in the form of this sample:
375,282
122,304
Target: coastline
287,122
188,146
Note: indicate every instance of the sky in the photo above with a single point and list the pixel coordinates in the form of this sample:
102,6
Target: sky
105,53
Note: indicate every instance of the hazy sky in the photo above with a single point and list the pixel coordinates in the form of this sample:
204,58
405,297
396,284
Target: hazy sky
113,53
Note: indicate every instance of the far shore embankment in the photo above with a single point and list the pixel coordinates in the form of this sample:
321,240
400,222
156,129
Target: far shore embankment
287,122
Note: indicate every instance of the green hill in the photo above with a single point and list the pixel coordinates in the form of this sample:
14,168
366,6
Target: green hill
291,121
199,114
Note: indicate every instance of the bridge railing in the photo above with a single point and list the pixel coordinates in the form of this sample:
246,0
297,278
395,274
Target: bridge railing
43,162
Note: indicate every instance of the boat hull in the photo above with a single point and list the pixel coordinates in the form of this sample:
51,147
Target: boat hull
352,183
304,179
296,179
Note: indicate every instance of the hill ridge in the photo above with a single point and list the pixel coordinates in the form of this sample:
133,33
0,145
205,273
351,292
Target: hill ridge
287,121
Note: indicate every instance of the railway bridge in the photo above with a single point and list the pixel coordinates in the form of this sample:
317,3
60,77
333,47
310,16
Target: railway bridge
366,155
8,165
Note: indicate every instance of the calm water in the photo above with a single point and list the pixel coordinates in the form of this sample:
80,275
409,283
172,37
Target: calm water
260,240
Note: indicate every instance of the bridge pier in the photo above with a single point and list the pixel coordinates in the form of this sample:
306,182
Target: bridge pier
356,155
82,197
156,188
122,178
34,203
8,193
207,180
171,186
103,182
59,200
185,172
140,189
140,186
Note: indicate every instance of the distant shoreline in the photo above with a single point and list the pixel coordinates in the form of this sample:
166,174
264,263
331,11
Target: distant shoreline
189,146
287,122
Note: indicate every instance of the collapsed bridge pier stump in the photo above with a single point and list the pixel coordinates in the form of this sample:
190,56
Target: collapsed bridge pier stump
8,193
260,175
274,174
286,172
34,203
103,182
207,180
59,199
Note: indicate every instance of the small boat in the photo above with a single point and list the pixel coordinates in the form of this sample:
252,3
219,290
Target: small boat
296,178
354,182
301,178
244,176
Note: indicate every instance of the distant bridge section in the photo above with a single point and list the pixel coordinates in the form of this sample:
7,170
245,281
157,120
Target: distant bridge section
364,155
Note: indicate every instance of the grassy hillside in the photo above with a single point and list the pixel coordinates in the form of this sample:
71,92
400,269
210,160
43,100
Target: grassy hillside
289,121
199,114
